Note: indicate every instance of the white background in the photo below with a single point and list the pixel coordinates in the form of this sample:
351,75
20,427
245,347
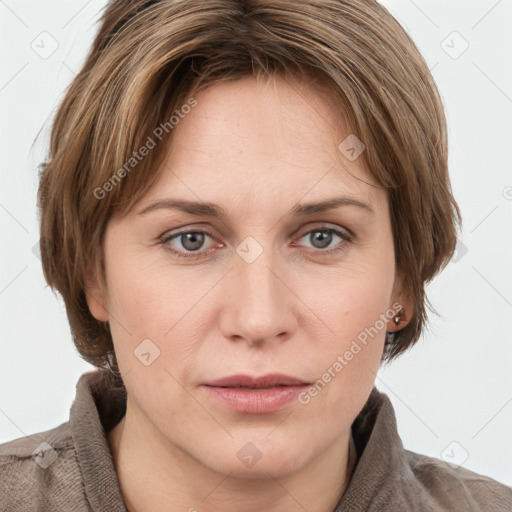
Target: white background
456,383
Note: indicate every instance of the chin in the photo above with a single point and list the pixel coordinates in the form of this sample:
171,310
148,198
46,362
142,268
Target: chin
260,471
258,460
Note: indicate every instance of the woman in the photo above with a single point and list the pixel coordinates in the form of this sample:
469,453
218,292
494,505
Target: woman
242,204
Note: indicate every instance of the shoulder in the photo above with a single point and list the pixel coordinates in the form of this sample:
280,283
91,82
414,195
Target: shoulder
41,472
454,487
390,478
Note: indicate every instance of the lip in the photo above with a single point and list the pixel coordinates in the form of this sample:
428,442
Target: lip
255,395
269,380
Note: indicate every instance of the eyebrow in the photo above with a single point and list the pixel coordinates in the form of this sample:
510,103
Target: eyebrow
213,210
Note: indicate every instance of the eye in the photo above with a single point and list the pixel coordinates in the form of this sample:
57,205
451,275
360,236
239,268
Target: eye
189,243
324,236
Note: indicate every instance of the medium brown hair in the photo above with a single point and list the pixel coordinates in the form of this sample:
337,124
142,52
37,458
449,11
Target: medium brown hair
146,63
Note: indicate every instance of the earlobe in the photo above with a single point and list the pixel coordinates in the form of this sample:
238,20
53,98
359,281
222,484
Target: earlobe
398,320
403,308
96,300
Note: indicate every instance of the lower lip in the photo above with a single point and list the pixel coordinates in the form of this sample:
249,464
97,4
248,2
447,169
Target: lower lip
255,401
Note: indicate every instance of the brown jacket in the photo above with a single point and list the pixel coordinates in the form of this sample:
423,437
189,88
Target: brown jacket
70,468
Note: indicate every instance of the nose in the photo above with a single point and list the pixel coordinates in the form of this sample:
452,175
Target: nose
260,306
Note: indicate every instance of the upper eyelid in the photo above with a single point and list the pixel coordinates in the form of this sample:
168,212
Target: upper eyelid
321,227
346,234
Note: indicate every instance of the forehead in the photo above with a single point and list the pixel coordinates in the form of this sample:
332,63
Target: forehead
251,141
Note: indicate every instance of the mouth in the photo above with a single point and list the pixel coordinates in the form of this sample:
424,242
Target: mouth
255,395
262,382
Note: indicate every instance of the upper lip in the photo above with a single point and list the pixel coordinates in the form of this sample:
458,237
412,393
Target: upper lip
264,381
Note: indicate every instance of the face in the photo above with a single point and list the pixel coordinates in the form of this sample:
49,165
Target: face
270,286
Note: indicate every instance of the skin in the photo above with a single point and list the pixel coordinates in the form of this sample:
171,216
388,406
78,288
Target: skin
256,149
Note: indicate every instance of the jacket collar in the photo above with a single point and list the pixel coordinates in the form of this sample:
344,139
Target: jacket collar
94,411
382,463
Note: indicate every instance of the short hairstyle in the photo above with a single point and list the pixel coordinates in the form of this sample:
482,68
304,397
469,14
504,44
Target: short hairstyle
149,59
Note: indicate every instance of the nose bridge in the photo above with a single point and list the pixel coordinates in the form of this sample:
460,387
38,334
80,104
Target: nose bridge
260,307
254,272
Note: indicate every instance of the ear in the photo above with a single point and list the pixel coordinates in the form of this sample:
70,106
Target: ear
402,304
96,299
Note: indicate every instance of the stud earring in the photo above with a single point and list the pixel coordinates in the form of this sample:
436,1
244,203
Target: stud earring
398,318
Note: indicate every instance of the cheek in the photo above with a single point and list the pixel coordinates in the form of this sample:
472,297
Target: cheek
353,297
355,307
143,293
137,304
152,300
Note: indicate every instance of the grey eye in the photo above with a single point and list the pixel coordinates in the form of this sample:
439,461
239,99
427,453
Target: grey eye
322,238
191,241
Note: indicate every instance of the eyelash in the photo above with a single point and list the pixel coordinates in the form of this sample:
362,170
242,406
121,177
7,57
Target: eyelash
346,239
